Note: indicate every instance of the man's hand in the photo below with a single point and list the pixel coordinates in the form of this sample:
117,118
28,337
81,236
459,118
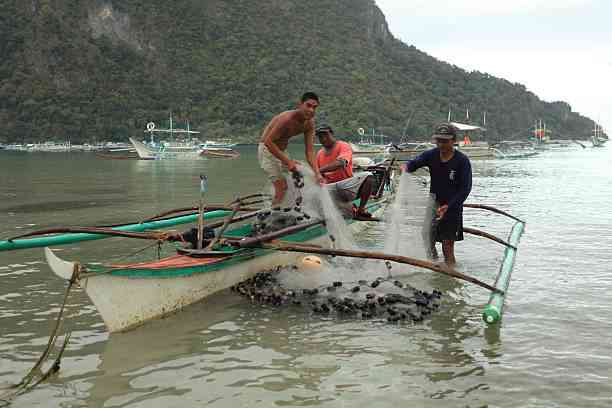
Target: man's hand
441,211
292,165
320,178
174,236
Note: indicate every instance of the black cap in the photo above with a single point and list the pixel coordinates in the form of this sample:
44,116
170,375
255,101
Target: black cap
445,131
324,128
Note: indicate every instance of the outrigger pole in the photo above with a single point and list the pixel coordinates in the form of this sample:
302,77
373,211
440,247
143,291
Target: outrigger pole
493,310
493,209
65,236
315,249
22,242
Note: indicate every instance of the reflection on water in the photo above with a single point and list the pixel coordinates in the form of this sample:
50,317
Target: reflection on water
551,349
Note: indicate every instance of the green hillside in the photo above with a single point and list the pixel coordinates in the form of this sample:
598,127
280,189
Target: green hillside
91,70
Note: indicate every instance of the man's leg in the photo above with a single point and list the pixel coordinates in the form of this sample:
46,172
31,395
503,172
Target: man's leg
280,188
429,231
275,171
448,249
431,249
364,193
450,229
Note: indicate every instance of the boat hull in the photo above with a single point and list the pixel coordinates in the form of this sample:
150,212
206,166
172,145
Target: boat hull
126,302
173,152
220,153
129,295
477,152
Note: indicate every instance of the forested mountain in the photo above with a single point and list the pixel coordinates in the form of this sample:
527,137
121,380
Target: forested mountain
89,70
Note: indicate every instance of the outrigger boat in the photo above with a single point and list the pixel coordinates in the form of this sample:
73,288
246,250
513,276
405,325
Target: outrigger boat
167,149
129,294
219,152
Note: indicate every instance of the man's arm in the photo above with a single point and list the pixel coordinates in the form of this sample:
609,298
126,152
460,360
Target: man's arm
335,165
309,135
421,160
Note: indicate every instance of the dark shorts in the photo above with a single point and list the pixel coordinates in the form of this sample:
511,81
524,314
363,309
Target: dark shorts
449,228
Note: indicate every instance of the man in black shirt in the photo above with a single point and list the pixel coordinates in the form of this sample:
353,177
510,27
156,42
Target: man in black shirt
451,183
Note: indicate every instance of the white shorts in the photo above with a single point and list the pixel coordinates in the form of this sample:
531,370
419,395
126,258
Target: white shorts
273,167
346,190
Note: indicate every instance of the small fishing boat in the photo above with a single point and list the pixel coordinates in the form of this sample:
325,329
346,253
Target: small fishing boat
369,145
514,149
598,137
219,152
476,150
473,149
408,150
173,149
221,143
128,294
360,149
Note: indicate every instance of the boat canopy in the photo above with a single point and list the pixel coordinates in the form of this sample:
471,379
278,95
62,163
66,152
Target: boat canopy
462,127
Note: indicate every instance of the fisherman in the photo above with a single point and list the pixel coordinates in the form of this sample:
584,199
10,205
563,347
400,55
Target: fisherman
335,163
272,154
451,183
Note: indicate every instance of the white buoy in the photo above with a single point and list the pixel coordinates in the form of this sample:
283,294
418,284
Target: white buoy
310,262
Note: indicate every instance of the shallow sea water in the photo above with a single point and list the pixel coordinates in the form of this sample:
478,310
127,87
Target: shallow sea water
551,350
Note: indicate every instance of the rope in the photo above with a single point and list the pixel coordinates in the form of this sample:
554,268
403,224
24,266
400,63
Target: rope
24,385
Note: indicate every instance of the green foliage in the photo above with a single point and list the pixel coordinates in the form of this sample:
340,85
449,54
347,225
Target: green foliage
90,70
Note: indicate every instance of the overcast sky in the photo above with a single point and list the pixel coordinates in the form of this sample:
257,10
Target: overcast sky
559,49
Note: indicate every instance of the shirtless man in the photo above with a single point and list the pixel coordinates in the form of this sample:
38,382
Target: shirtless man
272,155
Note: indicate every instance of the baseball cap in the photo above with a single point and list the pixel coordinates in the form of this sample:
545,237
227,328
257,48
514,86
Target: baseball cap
445,131
324,128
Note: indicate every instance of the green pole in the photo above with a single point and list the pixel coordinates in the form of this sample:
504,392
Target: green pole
70,238
493,310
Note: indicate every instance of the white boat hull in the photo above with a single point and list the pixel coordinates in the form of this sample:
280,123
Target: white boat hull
173,152
126,302
477,152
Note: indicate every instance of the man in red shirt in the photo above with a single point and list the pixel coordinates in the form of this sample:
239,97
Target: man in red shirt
335,163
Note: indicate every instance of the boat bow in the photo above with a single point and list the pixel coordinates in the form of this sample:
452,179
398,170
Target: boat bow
61,268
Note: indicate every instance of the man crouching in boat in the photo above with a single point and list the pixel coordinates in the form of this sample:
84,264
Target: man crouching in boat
272,154
451,183
335,162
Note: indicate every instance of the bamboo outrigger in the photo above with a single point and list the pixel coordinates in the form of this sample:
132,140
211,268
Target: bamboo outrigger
493,310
